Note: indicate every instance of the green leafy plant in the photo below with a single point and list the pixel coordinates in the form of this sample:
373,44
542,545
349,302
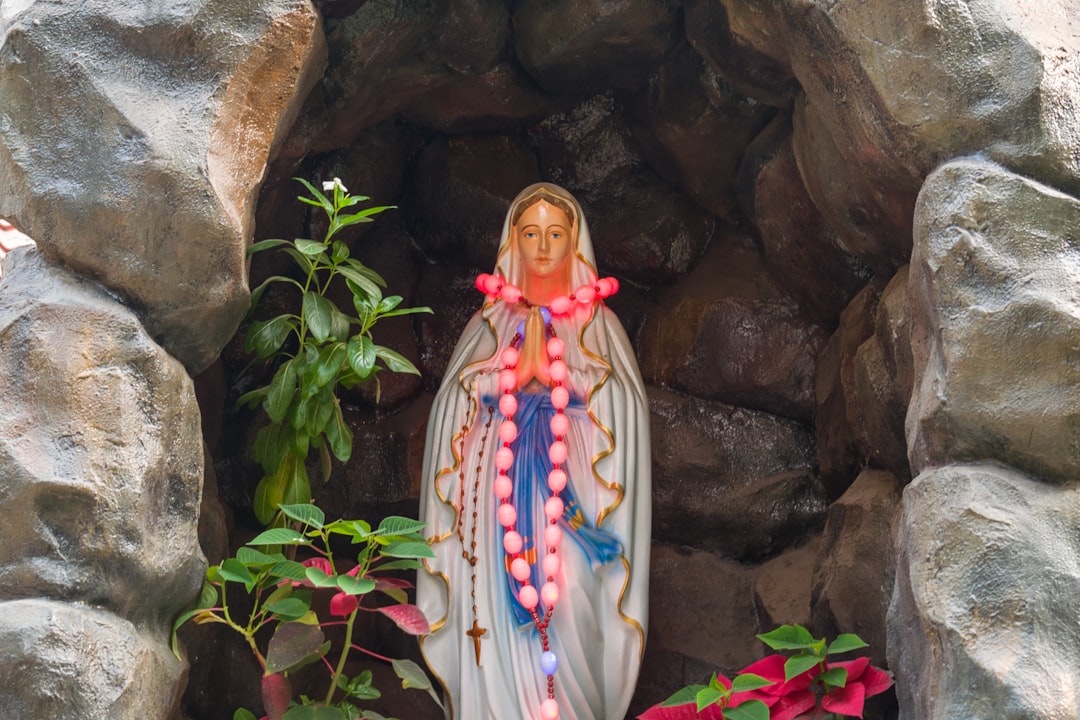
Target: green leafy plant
316,351
806,685
281,594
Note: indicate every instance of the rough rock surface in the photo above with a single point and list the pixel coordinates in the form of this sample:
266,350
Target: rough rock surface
995,320
133,140
72,662
984,622
620,42
853,575
102,459
730,480
100,451
642,228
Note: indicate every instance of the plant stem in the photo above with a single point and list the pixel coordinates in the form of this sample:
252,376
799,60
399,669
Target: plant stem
341,660
375,655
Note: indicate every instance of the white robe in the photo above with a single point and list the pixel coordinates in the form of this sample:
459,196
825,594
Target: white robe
599,622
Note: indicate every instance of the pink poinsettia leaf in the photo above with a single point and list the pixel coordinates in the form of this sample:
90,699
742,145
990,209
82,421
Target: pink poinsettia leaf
686,711
876,681
276,693
343,604
408,618
848,700
855,668
770,667
398,583
793,705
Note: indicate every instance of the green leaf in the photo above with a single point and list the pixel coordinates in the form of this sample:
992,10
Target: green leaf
252,397
834,677
298,487
339,435
316,311
257,293
362,285
395,360
406,311
243,714
685,696
845,643
339,325
340,251
272,444
397,525
388,303
799,664
319,199
266,245
413,676
250,556
355,586
788,637
749,710
279,536
361,355
408,550
264,337
288,570
235,571
292,643
280,395
289,609
311,248
314,712
318,578
708,696
748,681
404,564
329,364
305,513
208,597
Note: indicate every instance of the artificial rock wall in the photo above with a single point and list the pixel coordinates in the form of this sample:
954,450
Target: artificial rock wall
848,238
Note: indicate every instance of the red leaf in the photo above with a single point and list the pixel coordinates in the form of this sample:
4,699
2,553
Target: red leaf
399,583
276,693
876,681
792,705
682,712
847,700
408,618
343,604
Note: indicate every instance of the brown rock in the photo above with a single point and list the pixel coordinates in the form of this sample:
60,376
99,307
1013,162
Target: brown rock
743,41
389,56
619,43
459,191
730,480
839,453
782,587
853,577
882,381
680,120
872,220
801,248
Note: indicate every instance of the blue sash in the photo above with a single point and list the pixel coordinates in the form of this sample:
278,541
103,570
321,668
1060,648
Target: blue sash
529,474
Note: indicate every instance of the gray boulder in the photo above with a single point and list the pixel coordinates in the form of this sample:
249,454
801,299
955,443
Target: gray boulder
71,662
100,452
984,621
134,138
995,322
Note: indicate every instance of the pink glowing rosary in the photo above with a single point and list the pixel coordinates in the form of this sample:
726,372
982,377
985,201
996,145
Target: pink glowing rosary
496,288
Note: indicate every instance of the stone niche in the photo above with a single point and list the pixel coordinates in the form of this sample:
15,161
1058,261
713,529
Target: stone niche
849,244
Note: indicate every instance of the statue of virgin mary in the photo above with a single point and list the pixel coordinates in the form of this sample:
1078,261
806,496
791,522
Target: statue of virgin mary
536,487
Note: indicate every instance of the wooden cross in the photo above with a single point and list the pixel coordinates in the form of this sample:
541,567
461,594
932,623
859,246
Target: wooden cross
475,634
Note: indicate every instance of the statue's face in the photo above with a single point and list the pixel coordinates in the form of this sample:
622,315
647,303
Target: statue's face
544,241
